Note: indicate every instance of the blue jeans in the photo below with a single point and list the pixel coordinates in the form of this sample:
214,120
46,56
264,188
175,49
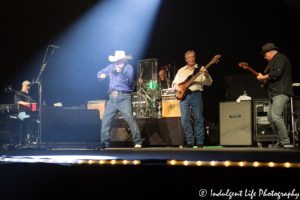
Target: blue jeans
275,112
194,100
122,103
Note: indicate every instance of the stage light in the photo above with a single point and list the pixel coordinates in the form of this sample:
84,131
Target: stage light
271,164
287,164
101,161
173,162
199,163
255,164
241,164
185,163
213,163
79,161
125,162
227,163
113,162
135,162
90,161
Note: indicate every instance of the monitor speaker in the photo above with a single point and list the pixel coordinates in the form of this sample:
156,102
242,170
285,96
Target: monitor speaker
235,123
170,107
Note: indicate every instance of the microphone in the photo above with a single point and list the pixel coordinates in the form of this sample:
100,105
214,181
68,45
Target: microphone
8,88
54,46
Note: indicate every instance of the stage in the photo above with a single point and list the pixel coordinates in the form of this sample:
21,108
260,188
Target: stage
156,172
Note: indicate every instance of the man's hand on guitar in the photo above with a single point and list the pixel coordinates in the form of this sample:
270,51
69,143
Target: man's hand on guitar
205,72
175,86
260,77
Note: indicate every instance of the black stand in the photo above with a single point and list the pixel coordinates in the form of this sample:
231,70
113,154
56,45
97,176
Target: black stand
39,82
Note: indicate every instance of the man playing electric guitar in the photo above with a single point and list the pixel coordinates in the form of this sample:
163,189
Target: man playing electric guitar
279,89
193,98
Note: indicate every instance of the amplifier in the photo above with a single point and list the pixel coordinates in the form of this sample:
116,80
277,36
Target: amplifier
235,123
262,120
98,105
170,107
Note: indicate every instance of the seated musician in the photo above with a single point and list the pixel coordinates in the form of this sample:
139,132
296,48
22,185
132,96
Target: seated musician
23,97
163,79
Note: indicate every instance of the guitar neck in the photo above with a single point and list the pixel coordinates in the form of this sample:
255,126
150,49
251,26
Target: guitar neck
196,76
251,70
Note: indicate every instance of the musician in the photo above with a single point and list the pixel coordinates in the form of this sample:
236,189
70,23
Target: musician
163,79
28,120
23,96
120,88
193,98
279,90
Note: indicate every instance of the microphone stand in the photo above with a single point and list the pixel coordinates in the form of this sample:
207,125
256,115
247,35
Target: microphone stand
39,82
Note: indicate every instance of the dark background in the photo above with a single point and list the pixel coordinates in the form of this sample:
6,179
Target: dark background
235,29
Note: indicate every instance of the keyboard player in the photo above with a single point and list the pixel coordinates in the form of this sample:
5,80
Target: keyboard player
22,97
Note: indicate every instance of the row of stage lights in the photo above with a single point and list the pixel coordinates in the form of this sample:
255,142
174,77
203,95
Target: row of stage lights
170,162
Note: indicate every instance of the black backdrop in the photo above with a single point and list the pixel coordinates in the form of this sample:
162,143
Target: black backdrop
235,29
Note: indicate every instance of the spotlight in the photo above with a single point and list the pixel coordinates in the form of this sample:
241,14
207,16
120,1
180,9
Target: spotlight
213,163
185,162
199,163
271,164
255,164
227,163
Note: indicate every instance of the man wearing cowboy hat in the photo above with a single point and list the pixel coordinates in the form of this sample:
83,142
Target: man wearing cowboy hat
279,88
120,88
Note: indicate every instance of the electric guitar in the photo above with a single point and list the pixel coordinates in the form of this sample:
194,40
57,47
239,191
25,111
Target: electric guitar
246,66
180,95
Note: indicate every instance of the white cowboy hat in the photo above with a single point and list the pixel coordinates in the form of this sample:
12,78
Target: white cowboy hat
119,55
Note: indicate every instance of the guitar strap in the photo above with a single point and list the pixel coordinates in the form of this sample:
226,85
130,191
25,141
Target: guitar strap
268,66
196,70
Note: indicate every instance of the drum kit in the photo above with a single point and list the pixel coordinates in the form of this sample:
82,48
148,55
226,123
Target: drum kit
146,104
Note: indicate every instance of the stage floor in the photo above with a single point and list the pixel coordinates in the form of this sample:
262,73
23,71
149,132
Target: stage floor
74,172
160,155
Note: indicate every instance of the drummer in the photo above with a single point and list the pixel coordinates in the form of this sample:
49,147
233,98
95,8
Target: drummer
163,79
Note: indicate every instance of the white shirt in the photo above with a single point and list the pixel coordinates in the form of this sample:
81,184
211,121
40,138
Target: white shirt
198,83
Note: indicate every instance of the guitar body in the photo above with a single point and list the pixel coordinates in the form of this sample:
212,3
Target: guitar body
180,95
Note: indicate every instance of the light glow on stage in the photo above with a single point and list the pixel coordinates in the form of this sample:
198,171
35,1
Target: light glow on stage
86,44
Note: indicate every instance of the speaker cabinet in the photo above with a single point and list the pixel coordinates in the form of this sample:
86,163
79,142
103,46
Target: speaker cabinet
235,123
98,105
170,107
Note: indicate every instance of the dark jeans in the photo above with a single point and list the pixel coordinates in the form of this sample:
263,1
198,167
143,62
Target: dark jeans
194,100
275,118
122,103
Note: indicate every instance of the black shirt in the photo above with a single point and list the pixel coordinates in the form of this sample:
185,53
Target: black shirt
281,76
22,96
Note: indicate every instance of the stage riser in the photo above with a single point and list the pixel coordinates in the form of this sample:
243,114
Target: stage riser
163,131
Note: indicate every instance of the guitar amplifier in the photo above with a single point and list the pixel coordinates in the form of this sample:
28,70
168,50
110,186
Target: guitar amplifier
170,107
236,123
98,105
